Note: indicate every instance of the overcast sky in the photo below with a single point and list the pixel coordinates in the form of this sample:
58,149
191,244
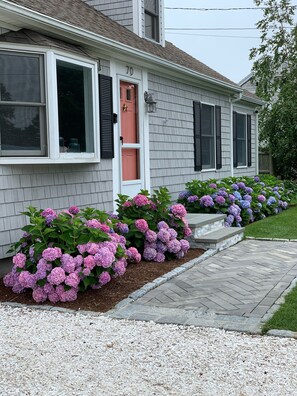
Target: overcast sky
227,55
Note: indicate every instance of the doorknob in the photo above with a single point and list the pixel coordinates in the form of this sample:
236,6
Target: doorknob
122,139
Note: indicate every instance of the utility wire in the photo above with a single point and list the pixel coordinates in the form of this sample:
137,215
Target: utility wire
245,28
213,35
220,9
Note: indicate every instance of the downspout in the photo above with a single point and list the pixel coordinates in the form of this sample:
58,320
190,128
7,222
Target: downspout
233,99
257,141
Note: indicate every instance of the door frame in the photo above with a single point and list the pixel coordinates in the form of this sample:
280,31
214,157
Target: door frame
121,72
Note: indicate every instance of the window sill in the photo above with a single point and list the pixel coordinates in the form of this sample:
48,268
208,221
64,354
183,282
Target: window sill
242,167
40,161
208,170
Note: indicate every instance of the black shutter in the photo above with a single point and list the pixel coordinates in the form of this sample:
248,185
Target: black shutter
235,160
106,117
197,136
218,137
249,138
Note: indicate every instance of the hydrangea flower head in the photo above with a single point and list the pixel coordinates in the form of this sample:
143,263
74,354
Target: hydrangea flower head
141,200
122,227
19,260
184,194
51,254
185,246
237,195
72,280
257,179
93,223
163,235
57,276
206,201
173,246
178,210
149,254
104,278
241,185
39,295
235,186
261,198
27,280
220,200
73,210
133,254
212,185
192,198
141,225
187,231
159,258
162,224
150,236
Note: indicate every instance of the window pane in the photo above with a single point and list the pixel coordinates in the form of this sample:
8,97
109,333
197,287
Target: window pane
149,26
130,164
241,126
151,6
207,120
20,128
241,152
207,137
20,78
75,108
208,153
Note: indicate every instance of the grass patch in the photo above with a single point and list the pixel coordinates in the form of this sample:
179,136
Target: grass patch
286,317
281,226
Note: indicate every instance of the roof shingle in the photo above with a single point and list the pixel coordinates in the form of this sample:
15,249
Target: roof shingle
79,14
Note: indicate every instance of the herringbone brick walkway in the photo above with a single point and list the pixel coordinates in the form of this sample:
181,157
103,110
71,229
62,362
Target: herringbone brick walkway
242,281
245,279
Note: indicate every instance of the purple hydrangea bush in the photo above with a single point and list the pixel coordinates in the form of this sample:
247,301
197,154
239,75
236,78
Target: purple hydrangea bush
157,228
63,253
244,200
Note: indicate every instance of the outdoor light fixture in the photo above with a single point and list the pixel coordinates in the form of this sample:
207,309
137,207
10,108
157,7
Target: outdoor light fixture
151,104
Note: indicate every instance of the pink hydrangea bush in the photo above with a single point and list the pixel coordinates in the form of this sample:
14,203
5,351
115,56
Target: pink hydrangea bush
156,228
63,253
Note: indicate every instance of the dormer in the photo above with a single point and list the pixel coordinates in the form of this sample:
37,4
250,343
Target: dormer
143,17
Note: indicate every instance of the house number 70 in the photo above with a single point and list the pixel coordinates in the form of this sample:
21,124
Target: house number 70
130,70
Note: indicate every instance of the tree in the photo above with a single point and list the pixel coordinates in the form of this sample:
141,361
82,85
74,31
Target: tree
275,72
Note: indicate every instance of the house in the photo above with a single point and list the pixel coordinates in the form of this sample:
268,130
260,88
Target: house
78,82
248,83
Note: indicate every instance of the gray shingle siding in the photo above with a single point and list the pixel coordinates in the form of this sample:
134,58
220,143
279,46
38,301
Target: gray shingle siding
118,10
172,135
55,186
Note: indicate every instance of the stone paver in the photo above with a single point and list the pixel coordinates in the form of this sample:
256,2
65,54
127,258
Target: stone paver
235,289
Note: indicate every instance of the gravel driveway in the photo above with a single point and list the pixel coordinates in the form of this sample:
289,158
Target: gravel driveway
53,353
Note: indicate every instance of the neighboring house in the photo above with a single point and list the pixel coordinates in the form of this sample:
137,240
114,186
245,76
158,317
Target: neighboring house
265,164
248,83
74,125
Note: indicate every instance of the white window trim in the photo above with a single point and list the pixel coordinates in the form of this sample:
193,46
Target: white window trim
214,129
246,143
52,126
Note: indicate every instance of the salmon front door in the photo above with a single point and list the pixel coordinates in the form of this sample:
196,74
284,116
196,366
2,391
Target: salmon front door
131,172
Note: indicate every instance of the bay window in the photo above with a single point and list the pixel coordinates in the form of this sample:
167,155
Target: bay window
47,108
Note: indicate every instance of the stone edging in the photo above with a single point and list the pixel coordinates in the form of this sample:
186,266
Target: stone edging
274,308
270,239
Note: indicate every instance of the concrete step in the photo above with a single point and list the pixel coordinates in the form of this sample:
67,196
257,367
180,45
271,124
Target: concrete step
204,223
220,239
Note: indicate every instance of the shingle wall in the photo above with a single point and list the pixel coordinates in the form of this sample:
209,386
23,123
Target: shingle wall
118,10
172,136
55,186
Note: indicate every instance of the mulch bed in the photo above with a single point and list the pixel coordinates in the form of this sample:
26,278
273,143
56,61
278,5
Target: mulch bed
104,299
